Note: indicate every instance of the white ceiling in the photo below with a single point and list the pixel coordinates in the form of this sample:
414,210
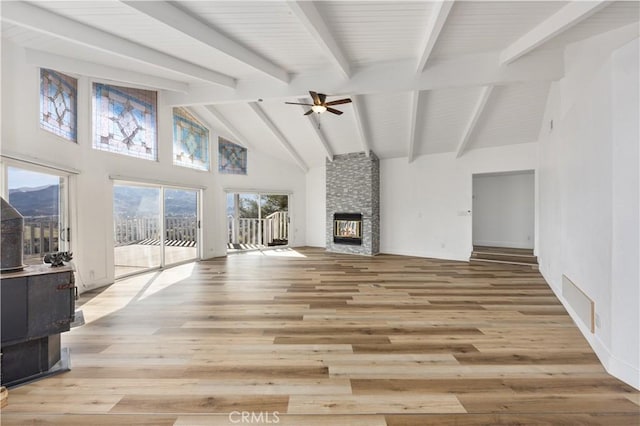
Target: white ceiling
488,65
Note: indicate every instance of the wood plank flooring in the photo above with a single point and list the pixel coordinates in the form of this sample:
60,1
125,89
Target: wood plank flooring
327,339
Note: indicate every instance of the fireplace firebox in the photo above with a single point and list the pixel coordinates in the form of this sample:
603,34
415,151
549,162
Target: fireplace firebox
347,228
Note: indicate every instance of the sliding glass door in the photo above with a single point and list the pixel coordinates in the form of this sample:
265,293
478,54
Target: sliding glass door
180,225
41,197
136,227
154,226
257,220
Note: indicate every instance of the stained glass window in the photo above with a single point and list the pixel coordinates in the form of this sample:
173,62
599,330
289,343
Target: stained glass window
124,121
58,104
190,141
232,158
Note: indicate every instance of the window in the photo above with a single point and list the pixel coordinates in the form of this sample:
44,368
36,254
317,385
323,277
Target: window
58,104
190,141
124,121
232,158
40,195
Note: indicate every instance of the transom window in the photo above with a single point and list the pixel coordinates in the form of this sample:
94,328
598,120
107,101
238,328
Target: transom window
124,121
58,104
190,141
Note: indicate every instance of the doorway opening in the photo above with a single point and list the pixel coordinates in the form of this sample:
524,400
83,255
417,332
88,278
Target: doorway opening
256,221
504,217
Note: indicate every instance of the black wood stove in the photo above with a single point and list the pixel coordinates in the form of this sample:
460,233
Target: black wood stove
37,304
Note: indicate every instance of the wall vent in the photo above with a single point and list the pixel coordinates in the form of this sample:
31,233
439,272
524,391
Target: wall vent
582,305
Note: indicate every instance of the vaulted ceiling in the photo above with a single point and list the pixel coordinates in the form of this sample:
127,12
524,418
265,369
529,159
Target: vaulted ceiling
424,76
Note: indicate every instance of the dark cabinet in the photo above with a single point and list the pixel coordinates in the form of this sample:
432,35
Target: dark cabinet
37,305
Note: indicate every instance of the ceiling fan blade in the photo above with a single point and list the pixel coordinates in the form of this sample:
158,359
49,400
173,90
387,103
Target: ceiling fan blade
314,96
297,103
308,112
322,97
339,101
333,110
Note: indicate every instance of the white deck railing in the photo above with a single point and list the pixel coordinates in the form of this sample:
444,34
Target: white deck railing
136,229
272,229
40,236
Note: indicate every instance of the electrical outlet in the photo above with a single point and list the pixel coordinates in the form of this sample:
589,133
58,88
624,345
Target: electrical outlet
598,324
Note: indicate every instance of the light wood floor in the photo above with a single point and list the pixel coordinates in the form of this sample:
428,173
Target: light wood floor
327,339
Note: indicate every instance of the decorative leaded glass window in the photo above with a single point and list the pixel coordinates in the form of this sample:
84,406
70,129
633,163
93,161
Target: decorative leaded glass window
58,104
232,158
124,121
190,141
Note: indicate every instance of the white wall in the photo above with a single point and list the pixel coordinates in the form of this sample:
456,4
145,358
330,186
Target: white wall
91,204
424,204
589,186
504,210
316,207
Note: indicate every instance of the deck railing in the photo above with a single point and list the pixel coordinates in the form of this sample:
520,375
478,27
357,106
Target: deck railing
273,229
41,235
132,230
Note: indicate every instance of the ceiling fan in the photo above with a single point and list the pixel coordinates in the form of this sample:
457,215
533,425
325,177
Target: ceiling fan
320,104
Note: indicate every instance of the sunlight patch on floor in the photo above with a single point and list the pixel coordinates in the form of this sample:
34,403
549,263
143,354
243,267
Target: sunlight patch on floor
130,289
284,252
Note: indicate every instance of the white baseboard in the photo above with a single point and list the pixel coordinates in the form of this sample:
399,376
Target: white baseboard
616,367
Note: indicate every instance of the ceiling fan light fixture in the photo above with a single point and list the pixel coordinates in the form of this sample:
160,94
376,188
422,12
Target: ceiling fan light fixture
318,108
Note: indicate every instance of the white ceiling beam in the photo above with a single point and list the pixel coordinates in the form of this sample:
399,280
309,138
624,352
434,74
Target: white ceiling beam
315,124
414,120
100,71
436,22
279,135
562,20
469,71
309,16
177,19
361,125
473,121
34,18
237,135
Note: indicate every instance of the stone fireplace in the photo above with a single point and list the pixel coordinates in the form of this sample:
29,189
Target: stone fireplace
353,204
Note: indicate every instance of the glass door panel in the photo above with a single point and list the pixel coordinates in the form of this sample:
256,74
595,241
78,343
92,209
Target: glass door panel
257,221
274,209
136,216
249,230
181,225
41,200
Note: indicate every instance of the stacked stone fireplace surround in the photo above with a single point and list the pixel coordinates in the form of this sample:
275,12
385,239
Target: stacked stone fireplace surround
353,186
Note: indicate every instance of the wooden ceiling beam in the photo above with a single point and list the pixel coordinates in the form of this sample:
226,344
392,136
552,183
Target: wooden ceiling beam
40,20
174,17
103,72
400,76
562,20
435,24
279,135
315,124
361,125
414,122
236,135
309,16
473,121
